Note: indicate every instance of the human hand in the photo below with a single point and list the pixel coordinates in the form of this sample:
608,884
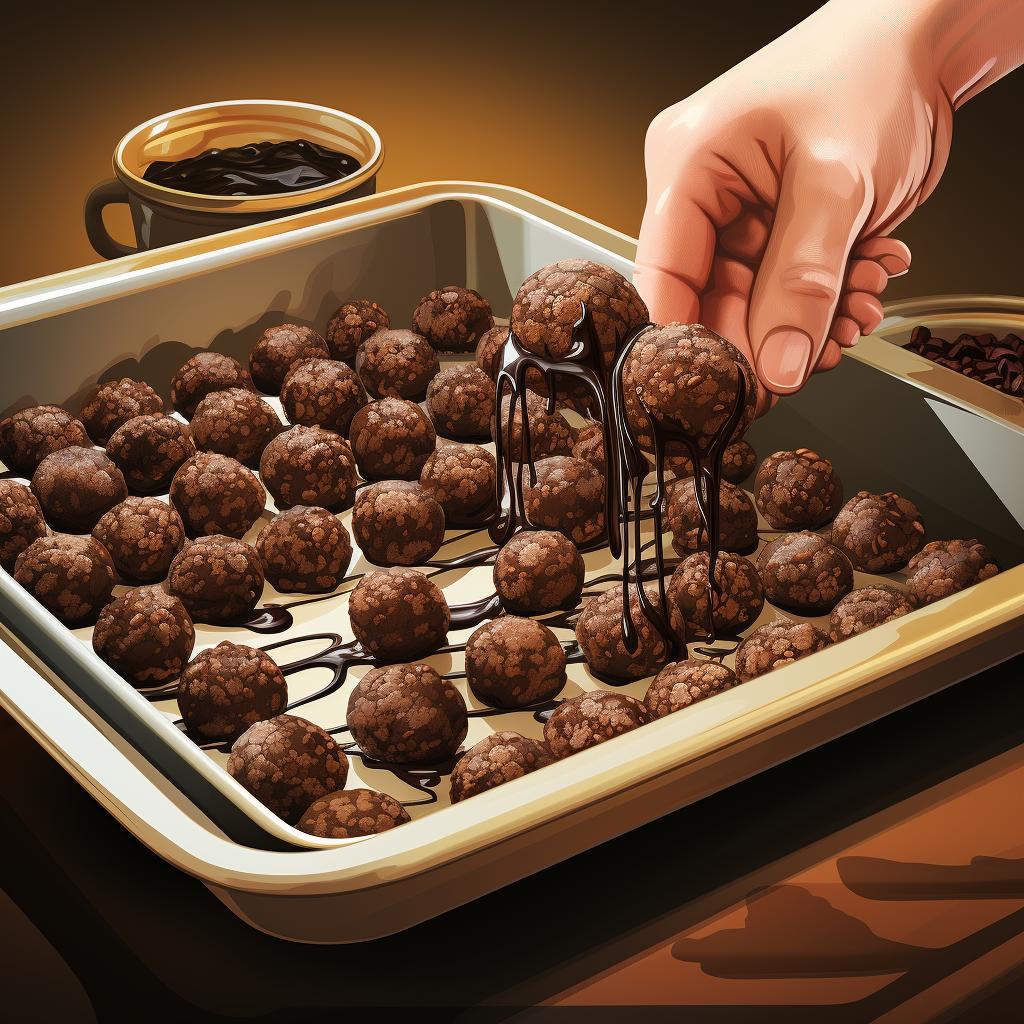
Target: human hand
771,191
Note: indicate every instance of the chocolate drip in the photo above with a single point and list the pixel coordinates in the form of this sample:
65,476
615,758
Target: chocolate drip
271,618
425,778
472,613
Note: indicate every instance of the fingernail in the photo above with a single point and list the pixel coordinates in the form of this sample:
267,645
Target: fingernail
893,265
784,359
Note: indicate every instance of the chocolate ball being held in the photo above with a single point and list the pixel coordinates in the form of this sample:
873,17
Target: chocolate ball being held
590,719
738,461
21,521
550,302
396,364
75,486
407,714
71,577
287,763
878,532
391,439
513,662
684,683
687,378
865,608
215,494
353,322
397,522
568,496
398,614
804,573
495,760
797,490
460,400
113,403
235,422
146,636
142,536
28,436
599,634
737,603
737,523
350,813
203,374
309,466
305,550
461,479
228,688
279,349
550,434
323,393
452,318
775,645
149,450
219,579
539,571
945,567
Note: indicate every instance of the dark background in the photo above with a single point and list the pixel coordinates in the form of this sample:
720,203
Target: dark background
552,97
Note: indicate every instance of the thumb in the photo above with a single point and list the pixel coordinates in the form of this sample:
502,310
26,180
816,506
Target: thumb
822,208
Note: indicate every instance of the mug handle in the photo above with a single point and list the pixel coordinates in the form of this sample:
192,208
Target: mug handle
102,196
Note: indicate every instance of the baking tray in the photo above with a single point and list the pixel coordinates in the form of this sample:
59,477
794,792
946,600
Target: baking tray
144,315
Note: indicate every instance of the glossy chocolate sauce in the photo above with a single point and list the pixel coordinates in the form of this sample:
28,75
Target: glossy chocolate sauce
258,169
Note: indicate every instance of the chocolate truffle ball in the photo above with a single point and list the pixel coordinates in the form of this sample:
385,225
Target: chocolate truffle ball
590,719
392,439
589,446
775,645
945,567
738,462
287,763
228,688
797,490
398,614
461,479
453,319
396,364
538,571
804,573
549,434
309,466
460,400
111,404
397,522
683,683
498,758
219,579
352,324
142,536
203,374
488,350
322,393
216,494
568,496
551,300
21,521
279,349
599,634
71,577
688,378
75,486
28,436
146,636
352,812
878,532
235,422
407,714
513,662
737,603
149,450
737,523
865,608
304,550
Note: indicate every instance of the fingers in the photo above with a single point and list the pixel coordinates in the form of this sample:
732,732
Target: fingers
822,207
889,253
830,356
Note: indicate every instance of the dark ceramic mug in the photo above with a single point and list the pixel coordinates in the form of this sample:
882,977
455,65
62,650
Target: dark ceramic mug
163,215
